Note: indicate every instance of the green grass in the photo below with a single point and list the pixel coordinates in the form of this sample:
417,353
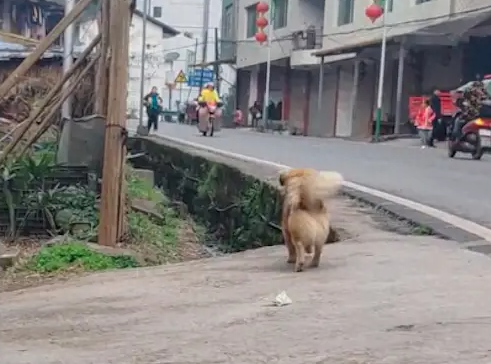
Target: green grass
62,257
141,188
143,229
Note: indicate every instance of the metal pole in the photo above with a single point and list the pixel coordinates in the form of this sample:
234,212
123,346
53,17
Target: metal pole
321,86
68,58
204,36
170,86
143,56
268,69
354,92
66,108
217,66
381,77
400,77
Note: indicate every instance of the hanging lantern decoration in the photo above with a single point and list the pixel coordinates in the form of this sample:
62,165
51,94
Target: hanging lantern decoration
261,37
374,11
262,8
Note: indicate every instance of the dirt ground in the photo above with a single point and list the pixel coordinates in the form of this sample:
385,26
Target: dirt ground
378,297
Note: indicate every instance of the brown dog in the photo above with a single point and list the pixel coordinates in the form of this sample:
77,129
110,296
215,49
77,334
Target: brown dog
305,217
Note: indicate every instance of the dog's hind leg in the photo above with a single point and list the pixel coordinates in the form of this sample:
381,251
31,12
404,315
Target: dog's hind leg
317,255
300,261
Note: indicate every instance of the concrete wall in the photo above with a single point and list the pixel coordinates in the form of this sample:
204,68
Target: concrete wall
322,122
406,16
301,14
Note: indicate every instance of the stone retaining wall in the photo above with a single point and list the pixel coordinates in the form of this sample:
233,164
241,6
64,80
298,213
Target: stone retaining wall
238,202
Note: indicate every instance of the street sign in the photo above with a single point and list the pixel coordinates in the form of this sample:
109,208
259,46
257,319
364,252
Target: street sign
181,78
200,76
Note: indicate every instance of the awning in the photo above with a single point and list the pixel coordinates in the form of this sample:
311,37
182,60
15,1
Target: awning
454,26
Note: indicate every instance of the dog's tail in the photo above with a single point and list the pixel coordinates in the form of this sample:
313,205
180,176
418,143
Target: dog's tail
312,189
328,184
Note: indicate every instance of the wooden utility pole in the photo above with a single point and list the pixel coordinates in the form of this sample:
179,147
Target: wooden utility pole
102,77
112,210
42,47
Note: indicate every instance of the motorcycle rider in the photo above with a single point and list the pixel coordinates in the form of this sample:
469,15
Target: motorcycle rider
208,94
471,105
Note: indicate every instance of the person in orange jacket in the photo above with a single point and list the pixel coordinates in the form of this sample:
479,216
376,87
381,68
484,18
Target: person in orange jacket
424,122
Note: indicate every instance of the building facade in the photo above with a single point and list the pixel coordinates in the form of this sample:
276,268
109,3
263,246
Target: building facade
156,68
429,42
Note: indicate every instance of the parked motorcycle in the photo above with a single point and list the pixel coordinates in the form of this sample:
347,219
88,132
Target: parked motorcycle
209,124
475,138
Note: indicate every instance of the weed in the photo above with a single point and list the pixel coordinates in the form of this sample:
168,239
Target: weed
138,187
143,230
61,257
163,238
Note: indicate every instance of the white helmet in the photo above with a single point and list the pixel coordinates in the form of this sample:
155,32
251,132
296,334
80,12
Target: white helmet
209,85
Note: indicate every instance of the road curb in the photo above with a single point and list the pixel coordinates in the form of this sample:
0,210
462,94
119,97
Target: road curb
406,210
437,227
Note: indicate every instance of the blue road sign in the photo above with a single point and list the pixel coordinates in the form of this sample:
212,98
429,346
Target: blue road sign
199,76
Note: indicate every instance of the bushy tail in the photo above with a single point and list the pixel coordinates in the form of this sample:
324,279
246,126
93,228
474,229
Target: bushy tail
310,190
328,184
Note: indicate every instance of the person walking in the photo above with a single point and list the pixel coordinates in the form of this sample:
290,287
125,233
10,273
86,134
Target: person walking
438,130
255,111
153,103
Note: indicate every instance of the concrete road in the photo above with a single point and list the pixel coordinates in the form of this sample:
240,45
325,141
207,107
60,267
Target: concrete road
458,186
379,298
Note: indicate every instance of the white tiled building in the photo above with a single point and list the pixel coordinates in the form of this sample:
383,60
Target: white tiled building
436,42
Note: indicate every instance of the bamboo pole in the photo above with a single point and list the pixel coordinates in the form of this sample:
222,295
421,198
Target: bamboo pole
42,47
45,123
111,211
47,100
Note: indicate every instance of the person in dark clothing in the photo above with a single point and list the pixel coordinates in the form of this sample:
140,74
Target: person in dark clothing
256,111
271,111
438,129
153,102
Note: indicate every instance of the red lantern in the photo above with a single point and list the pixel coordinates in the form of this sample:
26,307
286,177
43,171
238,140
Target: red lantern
373,12
262,7
261,22
261,37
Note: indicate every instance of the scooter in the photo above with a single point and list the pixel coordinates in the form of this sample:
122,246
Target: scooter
210,125
475,138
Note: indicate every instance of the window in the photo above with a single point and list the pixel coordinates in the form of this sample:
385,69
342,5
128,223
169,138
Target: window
157,12
227,23
389,6
345,12
280,13
251,21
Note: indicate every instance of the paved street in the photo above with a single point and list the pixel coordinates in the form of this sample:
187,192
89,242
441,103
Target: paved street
460,186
